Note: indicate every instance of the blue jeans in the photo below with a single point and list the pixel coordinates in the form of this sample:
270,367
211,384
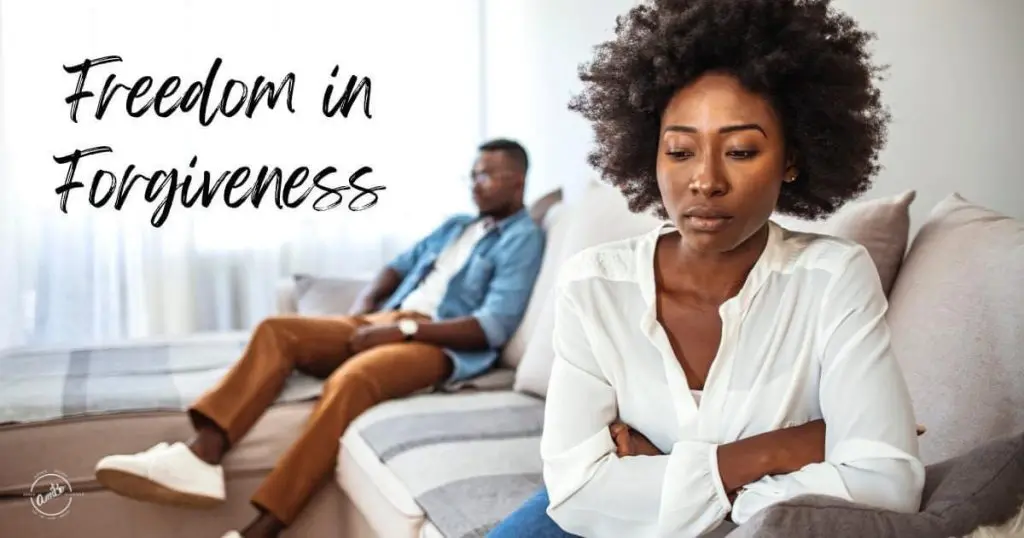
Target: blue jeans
530,521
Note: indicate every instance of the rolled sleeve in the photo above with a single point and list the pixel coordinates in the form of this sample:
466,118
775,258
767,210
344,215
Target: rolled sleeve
871,440
595,493
516,267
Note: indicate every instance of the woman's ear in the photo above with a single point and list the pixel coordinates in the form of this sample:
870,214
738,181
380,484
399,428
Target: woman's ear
791,172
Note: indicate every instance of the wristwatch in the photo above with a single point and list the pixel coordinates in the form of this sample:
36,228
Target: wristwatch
408,327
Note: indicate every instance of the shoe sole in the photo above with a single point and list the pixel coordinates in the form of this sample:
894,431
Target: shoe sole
143,489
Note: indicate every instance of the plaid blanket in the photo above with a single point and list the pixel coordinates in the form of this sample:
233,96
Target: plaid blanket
43,384
467,459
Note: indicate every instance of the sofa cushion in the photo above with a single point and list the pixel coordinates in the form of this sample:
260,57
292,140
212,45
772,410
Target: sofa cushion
956,312
600,216
540,207
75,444
460,461
982,489
137,374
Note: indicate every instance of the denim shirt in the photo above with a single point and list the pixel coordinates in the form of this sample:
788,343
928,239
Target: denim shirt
494,285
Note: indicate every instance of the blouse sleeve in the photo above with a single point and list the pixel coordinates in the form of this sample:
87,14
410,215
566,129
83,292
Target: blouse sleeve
592,491
871,451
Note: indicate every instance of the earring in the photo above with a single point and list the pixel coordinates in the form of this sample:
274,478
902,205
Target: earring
791,179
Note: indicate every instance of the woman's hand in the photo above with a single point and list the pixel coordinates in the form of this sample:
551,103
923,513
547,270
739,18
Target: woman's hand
629,442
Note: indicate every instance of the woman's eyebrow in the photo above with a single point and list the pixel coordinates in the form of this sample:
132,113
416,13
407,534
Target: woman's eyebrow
723,130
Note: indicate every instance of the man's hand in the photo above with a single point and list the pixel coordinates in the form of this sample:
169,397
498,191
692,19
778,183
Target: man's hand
369,336
362,307
629,442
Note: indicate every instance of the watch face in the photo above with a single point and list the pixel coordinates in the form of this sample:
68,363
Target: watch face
407,326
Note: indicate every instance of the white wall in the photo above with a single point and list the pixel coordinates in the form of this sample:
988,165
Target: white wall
532,49
955,88
956,91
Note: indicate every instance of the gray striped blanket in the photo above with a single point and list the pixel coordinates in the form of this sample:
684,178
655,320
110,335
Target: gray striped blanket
156,374
468,459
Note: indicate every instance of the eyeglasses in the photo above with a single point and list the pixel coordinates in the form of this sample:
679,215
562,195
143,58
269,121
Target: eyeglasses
486,177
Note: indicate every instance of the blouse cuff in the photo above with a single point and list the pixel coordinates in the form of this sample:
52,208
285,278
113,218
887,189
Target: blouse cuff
693,497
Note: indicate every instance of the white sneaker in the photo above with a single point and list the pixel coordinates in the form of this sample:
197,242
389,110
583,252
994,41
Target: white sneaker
166,474
232,534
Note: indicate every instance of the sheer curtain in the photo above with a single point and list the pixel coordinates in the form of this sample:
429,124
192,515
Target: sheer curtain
100,274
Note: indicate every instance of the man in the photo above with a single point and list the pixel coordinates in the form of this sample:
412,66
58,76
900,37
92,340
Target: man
438,313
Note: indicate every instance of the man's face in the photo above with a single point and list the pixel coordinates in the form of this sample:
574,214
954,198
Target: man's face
495,180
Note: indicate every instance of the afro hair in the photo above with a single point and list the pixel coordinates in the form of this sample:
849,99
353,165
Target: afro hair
809,61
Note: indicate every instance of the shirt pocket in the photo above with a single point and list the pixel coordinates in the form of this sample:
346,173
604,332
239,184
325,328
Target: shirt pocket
477,278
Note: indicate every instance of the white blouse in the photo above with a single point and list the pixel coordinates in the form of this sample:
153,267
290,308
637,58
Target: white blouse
805,338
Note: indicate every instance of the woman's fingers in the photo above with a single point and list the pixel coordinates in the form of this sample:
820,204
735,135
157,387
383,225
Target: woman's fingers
620,435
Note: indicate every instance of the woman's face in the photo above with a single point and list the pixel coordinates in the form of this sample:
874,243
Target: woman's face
721,162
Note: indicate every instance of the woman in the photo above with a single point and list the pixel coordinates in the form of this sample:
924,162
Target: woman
697,365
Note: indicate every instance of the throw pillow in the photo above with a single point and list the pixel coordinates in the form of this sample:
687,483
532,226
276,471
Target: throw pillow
325,296
979,492
881,225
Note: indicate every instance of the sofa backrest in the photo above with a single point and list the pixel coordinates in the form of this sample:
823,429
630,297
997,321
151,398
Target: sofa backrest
599,216
957,318
554,225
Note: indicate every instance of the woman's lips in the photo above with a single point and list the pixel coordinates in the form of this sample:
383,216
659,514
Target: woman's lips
707,224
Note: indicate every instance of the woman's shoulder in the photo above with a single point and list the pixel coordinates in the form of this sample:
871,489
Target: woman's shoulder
817,251
616,260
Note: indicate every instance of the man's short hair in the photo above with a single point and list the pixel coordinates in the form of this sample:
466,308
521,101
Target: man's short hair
514,149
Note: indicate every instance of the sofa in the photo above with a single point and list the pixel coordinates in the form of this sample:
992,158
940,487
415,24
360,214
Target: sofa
452,463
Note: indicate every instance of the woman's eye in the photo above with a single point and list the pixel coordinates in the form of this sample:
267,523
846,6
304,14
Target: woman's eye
679,154
742,154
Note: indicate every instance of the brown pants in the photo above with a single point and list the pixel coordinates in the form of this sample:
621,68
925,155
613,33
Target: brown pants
316,346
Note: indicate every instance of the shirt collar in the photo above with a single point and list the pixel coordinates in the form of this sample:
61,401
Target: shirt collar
770,259
503,224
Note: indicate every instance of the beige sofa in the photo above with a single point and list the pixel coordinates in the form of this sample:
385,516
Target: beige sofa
453,464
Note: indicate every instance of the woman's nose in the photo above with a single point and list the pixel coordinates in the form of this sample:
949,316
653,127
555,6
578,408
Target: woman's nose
708,181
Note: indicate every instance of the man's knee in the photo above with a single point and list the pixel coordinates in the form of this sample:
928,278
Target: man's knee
275,323
282,329
350,378
274,339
